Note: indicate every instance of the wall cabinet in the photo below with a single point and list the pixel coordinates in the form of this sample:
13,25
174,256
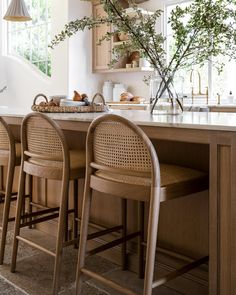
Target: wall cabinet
102,54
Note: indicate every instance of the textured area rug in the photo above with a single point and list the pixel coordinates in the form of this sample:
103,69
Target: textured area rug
34,273
7,288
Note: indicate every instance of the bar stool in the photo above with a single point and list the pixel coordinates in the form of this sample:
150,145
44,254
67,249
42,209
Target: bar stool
122,162
10,157
45,154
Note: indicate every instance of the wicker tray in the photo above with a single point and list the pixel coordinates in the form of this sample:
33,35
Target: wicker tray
93,108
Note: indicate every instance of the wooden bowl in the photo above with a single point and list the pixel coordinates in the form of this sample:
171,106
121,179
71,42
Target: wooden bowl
123,36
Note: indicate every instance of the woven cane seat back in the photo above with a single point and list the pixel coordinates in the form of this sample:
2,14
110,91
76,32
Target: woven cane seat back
42,138
4,138
118,146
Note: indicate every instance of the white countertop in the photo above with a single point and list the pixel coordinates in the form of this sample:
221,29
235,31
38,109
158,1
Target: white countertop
190,120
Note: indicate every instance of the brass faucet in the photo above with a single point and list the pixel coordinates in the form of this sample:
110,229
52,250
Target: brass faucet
218,98
199,87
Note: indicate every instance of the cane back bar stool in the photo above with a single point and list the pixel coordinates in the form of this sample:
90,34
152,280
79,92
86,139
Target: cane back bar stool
10,157
45,154
121,161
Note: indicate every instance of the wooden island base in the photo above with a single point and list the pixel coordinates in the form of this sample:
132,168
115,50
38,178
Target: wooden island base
193,226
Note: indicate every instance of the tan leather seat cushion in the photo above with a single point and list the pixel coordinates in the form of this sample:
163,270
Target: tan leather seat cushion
170,174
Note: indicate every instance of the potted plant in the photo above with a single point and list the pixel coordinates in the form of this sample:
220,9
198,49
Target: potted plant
202,30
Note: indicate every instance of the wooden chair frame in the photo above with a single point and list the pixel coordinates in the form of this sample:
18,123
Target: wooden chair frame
61,212
151,196
9,159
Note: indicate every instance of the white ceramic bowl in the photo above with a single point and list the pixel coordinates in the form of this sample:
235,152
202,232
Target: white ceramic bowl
71,103
57,98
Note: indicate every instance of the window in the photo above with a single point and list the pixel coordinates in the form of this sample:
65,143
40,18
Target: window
195,79
30,39
224,83
210,80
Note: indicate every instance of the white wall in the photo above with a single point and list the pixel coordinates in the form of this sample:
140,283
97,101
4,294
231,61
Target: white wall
23,82
81,77
2,67
71,63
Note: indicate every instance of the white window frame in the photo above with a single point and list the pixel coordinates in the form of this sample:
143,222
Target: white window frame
30,61
167,3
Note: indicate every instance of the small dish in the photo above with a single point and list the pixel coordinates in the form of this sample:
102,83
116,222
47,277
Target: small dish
70,102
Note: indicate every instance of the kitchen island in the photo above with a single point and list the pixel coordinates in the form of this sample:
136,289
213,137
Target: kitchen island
205,141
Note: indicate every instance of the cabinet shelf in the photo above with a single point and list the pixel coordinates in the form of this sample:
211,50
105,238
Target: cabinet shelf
125,70
118,43
102,54
132,13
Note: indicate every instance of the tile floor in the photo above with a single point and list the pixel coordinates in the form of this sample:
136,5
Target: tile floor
34,272
35,269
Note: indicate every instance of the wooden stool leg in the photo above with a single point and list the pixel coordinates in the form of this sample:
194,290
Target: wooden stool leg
60,234
76,211
124,233
83,237
6,210
21,196
151,244
66,226
141,239
30,191
23,211
1,178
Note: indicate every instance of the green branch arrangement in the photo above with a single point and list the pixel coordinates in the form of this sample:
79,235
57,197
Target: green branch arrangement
202,30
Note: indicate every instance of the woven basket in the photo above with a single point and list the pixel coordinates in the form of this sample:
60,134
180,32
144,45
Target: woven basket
93,108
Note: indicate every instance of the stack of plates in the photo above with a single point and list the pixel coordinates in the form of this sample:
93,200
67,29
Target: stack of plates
71,103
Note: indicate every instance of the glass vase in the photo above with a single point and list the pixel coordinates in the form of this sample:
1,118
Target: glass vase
165,99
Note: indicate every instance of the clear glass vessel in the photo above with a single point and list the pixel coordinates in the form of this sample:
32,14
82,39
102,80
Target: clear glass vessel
164,99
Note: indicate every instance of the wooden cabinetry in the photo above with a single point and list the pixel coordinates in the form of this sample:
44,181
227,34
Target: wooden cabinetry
102,53
223,108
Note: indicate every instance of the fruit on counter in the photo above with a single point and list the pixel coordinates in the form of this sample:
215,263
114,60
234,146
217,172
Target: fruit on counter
81,97
51,103
85,99
137,99
55,103
126,96
77,96
84,96
43,103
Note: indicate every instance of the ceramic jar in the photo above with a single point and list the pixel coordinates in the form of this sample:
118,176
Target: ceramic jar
143,62
107,91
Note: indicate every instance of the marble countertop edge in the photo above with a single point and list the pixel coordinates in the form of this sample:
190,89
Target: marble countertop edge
191,120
